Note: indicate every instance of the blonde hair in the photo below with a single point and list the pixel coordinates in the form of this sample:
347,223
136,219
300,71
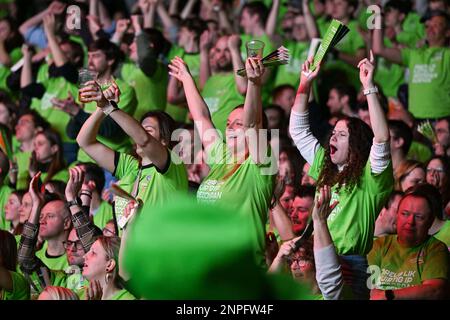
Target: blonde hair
60,293
111,245
403,170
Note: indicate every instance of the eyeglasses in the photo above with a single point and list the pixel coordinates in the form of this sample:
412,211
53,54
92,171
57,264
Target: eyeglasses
69,244
432,170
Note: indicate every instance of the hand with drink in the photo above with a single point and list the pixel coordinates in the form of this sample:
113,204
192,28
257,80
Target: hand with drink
93,92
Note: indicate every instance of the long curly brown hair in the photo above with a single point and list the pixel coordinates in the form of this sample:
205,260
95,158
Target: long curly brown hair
359,144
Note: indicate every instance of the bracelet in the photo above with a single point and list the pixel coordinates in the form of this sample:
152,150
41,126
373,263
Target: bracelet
370,91
86,193
110,108
74,202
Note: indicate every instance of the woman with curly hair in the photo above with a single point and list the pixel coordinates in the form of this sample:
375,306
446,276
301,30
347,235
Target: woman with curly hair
357,164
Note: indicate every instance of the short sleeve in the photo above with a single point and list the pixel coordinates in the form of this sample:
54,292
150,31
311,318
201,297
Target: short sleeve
436,261
316,167
406,56
126,165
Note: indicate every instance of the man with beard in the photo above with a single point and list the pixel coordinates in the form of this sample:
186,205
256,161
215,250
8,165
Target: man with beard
223,90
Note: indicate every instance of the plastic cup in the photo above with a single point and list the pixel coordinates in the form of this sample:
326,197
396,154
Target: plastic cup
84,76
255,49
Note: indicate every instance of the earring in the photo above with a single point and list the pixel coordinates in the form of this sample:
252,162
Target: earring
107,277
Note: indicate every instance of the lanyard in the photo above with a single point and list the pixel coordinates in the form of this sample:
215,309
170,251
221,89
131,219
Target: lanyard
135,190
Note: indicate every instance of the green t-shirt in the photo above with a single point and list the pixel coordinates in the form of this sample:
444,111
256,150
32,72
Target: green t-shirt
444,234
412,31
15,55
61,175
420,152
155,187
57,278
150,91
5,191
290,73
248,191
352,221
23,165
405,267
53,263
123,295
179,112
54,88
221,96
350,44
103,214
429,81
127,104
389,75
21,288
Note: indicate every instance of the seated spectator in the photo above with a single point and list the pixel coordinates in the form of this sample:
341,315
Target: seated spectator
284,96
401,139
5,190
438,175
412,265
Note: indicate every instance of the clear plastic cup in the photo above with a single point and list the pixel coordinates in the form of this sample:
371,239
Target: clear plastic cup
255,49
84,76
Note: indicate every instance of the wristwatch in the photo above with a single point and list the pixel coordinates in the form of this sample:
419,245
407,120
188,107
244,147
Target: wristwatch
110,108
389,294
370,91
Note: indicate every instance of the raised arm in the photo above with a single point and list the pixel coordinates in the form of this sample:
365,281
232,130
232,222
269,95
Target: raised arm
299,128
187,10
152,148
391,54
59,58
253,109
26,74
197,106
55,7
84,227
234,44
206,42
311,26
87,140
170,26
377,118
26,257
328,269
121,27
282,223
271,24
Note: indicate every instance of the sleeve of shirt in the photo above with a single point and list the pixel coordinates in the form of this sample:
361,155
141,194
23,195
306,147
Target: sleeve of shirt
124,164
302,136
66,71
146,55
36,36
436,262
128,102
86,230
406,56
328,273
26,253
380,156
